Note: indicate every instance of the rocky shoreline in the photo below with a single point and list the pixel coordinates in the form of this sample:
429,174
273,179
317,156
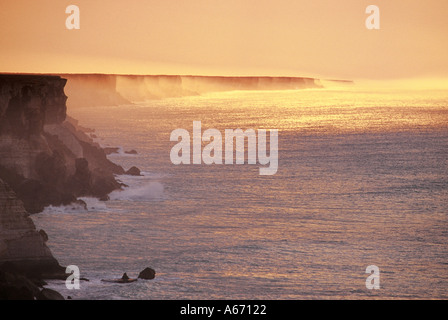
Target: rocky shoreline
25,259
44,156
45,159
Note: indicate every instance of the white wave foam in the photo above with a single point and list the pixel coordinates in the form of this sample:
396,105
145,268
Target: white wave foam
121,152
92,204
146,187
141,188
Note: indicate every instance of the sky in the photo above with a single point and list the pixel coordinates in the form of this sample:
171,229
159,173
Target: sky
317,38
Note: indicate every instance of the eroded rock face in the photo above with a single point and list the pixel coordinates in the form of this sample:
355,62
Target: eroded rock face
22,247
41,156
45,159
28,102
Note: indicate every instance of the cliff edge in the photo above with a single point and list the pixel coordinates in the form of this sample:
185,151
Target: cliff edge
87,90
44,157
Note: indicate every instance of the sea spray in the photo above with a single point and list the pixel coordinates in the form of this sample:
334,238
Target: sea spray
85,204
141,188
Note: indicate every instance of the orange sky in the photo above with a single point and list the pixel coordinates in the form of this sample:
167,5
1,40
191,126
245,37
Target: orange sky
324,38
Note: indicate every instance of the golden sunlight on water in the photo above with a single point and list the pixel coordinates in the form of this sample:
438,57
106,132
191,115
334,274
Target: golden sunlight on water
362,180
333,111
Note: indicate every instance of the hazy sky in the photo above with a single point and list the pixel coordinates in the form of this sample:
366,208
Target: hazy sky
326,38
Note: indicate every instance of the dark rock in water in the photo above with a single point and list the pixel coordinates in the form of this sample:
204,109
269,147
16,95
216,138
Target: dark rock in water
111,150
134,171
121,280
131,151
44,235
49,294
147,274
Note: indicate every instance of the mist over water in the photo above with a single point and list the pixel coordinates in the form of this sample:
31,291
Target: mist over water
362,180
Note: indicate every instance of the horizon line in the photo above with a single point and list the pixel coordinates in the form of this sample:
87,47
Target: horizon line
171,75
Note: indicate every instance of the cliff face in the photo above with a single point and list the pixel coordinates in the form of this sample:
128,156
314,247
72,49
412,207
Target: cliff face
86,90
28,102
43,158
21,245
138,88
92,89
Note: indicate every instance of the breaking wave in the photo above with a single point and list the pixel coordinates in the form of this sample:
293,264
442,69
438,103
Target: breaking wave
141,188
84,204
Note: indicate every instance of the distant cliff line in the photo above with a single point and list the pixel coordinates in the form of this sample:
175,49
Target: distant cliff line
86,90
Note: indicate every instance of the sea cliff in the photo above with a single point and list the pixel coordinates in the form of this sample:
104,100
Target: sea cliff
44,157
22,247
86,90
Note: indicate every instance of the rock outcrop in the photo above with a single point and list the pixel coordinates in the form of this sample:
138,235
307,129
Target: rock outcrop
45,159
147,274
44,156
22,247
133,171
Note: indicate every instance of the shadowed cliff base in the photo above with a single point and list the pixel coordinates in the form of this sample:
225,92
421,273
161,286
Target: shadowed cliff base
25,259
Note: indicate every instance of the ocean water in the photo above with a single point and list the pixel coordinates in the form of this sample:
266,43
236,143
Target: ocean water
362,180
